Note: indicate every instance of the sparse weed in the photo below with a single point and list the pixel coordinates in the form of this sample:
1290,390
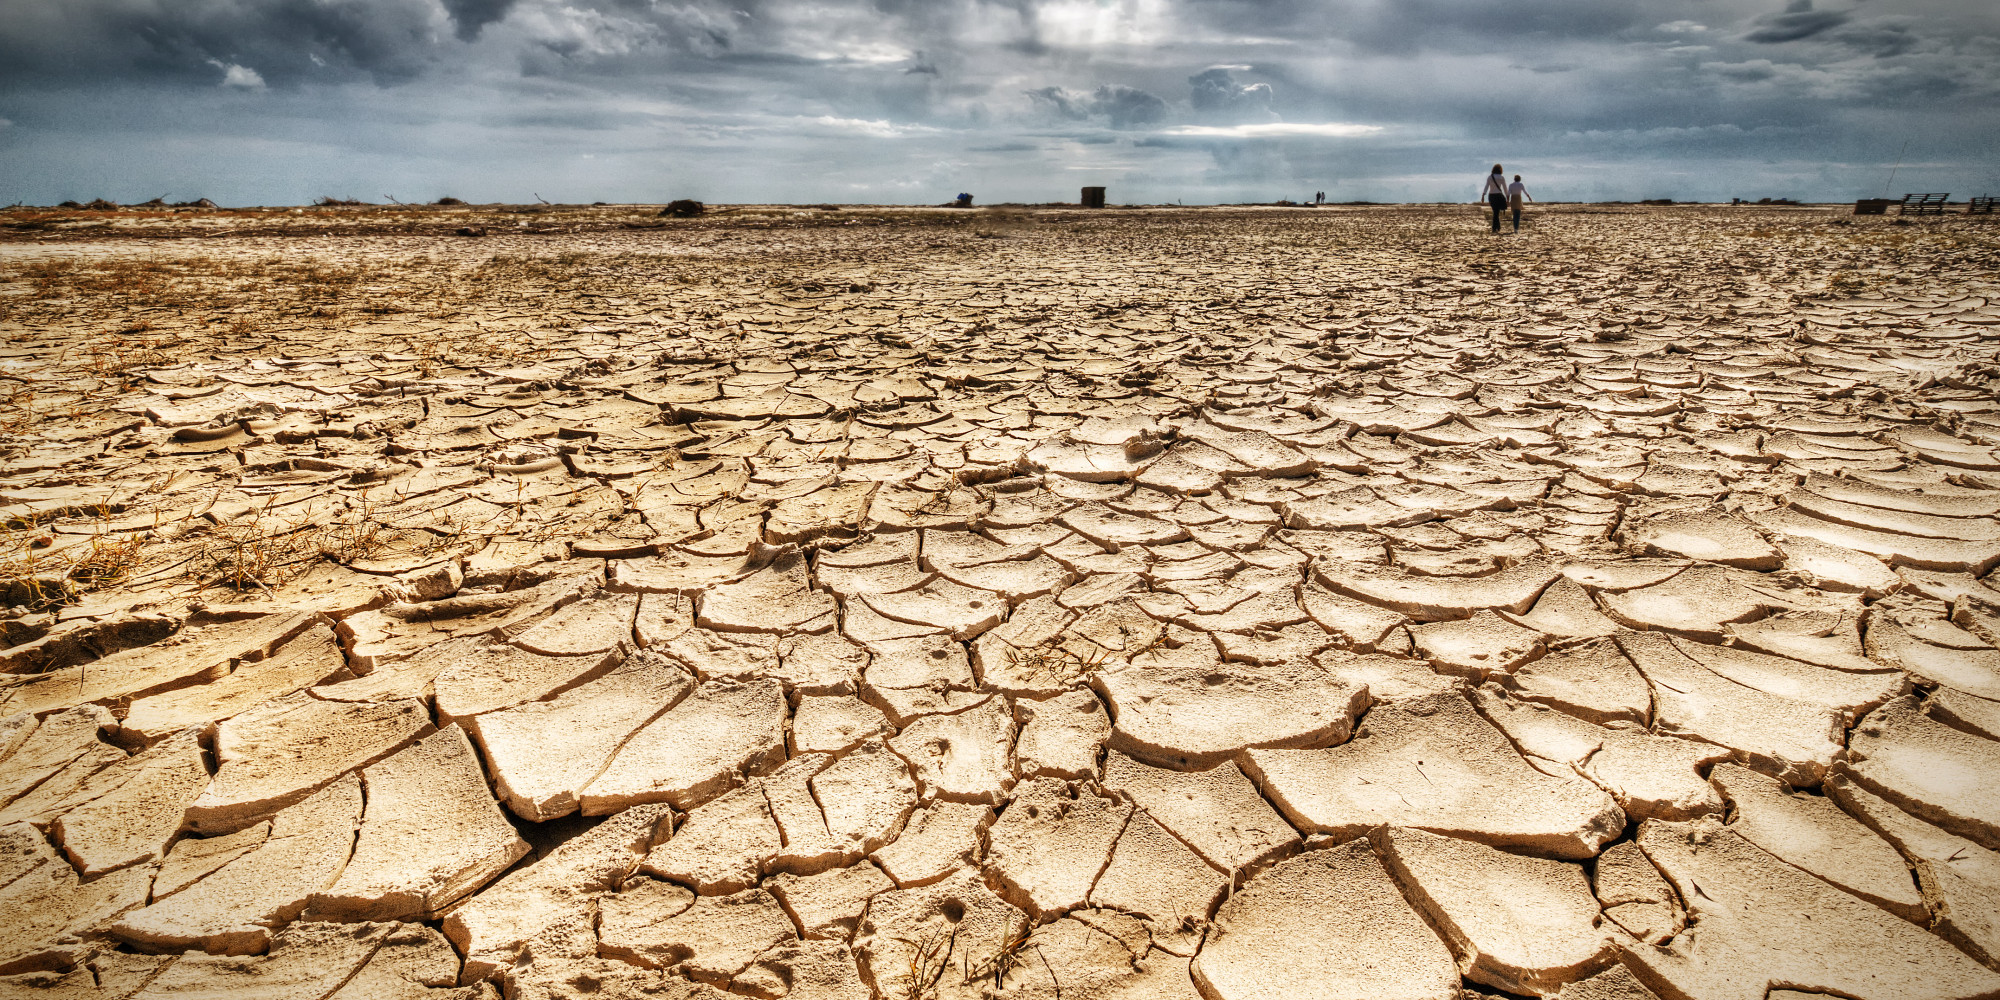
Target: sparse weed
115,361
1057,661
110,561
17,410
262,550
924,966
1006,956
31,564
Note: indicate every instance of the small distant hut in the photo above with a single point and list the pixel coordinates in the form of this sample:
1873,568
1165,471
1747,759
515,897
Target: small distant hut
1093,197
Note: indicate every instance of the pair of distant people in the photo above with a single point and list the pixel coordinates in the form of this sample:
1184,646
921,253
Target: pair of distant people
1502,196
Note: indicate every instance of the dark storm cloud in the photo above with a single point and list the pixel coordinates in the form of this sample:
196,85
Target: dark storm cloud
1127,107
1120,106
283,40
1879,40
1061,102
387,41
1746,72
1799,20
472,15
1216,92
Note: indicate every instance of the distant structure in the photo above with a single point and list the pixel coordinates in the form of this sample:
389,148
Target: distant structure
1093,197
963,200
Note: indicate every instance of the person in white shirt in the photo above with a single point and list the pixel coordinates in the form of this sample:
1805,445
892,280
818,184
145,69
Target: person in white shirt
1494,193
1516,193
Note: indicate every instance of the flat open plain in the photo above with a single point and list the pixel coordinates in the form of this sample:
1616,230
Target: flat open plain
858,604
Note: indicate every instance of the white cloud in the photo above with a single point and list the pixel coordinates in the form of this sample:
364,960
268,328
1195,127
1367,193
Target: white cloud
238,76
583,33
878,53
1266,130
1683,27
877,127
1086,24
242,76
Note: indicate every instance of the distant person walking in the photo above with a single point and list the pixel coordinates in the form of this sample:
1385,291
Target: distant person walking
1517,192
1494,193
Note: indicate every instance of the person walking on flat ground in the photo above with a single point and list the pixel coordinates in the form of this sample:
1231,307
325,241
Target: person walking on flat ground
1516,193
1494,193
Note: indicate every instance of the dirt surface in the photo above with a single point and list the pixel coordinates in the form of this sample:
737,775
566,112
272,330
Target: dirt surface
877,603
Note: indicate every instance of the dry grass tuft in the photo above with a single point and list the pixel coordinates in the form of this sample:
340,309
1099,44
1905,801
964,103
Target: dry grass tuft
928,958
1006,956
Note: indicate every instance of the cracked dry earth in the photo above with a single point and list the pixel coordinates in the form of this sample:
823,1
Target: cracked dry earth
1223,604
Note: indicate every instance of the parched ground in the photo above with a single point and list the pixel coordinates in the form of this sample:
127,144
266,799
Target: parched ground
888,603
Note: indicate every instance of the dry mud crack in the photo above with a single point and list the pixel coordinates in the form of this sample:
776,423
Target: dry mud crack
1227,604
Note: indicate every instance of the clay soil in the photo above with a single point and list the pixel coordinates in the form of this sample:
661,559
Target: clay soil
883,603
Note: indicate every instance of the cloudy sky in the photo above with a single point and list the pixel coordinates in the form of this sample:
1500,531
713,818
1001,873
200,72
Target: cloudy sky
912,101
